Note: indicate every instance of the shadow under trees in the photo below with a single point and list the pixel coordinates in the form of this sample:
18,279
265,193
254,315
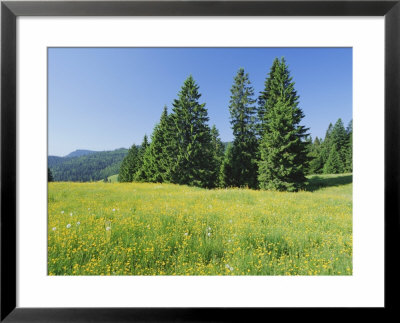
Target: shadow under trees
317,182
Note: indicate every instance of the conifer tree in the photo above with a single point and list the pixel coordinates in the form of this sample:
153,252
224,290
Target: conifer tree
316,164
226,174
141,174
155,166
267,98
349,151
129,165
334,164
340,139
336,138
218,150
144,145
49,175
283,149
193,162
242,118
326,144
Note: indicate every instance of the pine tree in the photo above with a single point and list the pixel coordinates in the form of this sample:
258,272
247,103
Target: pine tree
49,175
129,165
138,175
336,138
267,98
143,146
340,139
349,150
218,150
283,149
143,171
316,164
192,164
226,174
155,166
334,164
245,146
326,144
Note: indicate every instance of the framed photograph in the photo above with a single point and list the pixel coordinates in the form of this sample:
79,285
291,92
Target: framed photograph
178,160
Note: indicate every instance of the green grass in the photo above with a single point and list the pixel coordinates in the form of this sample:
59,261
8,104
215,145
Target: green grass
166,229
113,178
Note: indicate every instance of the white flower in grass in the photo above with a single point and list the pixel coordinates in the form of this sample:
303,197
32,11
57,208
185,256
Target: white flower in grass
70,214
54,229
68,226
186,233
228,267
209,234
62,212
108,228
78,223
113,210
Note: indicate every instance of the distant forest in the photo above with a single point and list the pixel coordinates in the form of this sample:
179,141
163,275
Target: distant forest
86,166
270,149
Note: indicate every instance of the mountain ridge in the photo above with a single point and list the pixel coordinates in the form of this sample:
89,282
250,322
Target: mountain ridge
80,152
86,165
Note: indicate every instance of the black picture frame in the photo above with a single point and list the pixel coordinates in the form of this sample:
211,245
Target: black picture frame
10,10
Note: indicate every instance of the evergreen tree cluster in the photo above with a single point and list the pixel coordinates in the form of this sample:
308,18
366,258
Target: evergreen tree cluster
270,149
183,148
334,154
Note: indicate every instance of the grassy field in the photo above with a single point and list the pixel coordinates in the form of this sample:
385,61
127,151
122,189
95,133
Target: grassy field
165,229
113,178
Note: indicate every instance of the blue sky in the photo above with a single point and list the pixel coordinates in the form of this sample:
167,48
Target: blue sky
108,98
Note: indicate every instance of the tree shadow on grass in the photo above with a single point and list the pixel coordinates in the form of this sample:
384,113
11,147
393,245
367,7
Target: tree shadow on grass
318,182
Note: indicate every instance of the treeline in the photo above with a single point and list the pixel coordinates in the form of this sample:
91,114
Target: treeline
91,167
334,154
270,149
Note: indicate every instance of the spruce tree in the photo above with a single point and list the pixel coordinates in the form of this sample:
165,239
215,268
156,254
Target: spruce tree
49,175
309,142
129,165
226,174
193,160
143,171
349,150
143,146
155,166
267,98
242,118
334,164
340,139
326,144
138,175
283,149
336,138
316,165
218,150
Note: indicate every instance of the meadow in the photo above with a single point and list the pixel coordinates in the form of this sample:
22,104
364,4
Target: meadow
165,229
